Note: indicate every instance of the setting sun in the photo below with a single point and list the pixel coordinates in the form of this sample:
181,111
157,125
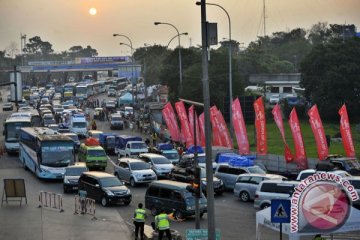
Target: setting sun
92,11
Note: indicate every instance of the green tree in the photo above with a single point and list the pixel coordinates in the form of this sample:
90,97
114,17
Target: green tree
79,51
331,77
38,47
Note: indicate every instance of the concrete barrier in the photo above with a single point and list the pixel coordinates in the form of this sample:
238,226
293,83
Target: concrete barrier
50,200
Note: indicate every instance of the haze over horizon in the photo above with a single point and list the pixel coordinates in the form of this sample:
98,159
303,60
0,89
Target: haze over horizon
66,23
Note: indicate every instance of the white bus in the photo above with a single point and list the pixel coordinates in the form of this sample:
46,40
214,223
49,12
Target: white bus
45,152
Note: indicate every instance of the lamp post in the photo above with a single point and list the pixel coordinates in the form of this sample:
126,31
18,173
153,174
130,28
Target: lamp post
230,65
185,33
132,61
179,46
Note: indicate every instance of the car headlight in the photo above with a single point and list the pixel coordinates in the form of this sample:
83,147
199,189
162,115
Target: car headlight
137,175
108,192
128,191
203,183
221,182
44,170
66,180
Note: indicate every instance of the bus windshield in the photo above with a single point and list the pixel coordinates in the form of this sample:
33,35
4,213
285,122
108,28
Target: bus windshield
79,125
12,130
81,90
57,153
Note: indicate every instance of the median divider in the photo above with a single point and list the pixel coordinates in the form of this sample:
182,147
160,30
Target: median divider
85,205
50,200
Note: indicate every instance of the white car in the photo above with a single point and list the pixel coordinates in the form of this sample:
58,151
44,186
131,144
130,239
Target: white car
274,99
160,164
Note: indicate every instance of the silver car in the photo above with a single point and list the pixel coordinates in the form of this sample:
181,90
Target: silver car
160,164
134,171
273,189
246,184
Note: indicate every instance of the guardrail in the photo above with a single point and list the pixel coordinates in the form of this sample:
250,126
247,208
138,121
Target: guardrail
50,200
85,205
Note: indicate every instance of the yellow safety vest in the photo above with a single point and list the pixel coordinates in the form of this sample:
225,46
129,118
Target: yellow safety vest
139,215
162,221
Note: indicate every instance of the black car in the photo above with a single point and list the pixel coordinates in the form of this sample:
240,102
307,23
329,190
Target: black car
104,188
8,107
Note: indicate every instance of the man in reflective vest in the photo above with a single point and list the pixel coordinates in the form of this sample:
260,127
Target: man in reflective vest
163,225
139,221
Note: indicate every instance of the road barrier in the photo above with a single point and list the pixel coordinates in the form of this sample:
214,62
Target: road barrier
85,205
50,200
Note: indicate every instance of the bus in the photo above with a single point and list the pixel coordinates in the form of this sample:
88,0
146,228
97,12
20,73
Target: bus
81,91
45,152
12,126
69,90
102,87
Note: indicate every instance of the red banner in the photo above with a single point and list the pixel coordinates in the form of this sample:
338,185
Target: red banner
171,123
260,126
191,122
240,128
216,141
300,154
202,129
318,131
185,128
223,130
276,111
346,132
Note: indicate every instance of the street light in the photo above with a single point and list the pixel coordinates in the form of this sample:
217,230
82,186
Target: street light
179,46
185,33
132,61
230,64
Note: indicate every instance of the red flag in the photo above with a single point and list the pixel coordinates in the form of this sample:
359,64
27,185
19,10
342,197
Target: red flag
217,141
318,131
240,128
260,126
346,132
185,128
223,130
171,123
202,129
280,124
191,122
300,154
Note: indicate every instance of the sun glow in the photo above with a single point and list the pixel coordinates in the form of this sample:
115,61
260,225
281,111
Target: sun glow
92,11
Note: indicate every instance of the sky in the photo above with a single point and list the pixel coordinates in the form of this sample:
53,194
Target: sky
67,23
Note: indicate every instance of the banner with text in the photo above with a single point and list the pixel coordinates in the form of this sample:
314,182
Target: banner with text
240,128
202,129
216,141
300,154
318,131
171,123
191,122
260,126
185,128
345,131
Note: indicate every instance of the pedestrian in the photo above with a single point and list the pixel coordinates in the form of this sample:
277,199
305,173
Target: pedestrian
147,142
93,125
154,137
82,198
163,225
139,221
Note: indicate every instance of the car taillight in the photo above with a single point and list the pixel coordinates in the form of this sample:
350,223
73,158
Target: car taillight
256,196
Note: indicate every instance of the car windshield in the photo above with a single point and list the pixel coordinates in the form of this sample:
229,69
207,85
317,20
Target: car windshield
138,145
139,166
75,171
110,182
171,155
161,160
353,164
79,124
116,119
96,153
256,169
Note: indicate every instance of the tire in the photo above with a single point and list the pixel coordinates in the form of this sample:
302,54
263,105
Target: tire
178,215
264,205
244,196
132,182
104,201
154,211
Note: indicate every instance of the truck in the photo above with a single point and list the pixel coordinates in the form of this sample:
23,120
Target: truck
78,124
107,141
129,146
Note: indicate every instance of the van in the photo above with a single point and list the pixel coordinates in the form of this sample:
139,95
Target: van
93,156
273,189
172,196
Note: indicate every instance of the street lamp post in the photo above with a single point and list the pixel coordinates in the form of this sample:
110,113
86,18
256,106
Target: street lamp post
185,33
180,67
132,61
230,65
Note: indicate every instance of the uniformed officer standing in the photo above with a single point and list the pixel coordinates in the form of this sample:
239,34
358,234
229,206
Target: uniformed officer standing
139,221
163,225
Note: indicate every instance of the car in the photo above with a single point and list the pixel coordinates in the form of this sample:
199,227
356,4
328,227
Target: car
25,109
75,139
273,189
104,188
48,119
72,175
110,105
274,99
111,93
160,164
308,172
94,134
54,127
116,122
201,160
134,171
8,107
246,184
228,174
355,181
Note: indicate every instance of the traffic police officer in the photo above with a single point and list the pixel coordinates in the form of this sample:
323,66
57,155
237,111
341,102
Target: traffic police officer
139,221
163,225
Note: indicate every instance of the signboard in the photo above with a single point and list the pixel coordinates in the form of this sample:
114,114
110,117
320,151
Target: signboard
102,59
280,210
200,234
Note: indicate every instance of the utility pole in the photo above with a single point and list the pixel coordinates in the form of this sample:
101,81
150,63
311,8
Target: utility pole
264,15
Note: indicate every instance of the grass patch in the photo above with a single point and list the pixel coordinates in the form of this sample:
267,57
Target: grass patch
276,146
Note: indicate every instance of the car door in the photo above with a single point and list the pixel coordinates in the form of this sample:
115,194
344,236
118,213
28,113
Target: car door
121,170
96,189
222,173
126,172
233,175
253,184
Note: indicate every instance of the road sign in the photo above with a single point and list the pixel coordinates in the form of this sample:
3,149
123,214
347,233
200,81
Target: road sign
280,211
199,234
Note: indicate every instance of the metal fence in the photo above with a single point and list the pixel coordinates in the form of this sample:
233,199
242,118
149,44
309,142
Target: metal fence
85,205
50,200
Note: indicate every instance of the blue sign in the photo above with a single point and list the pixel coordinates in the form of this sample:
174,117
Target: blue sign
280,211
200,234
